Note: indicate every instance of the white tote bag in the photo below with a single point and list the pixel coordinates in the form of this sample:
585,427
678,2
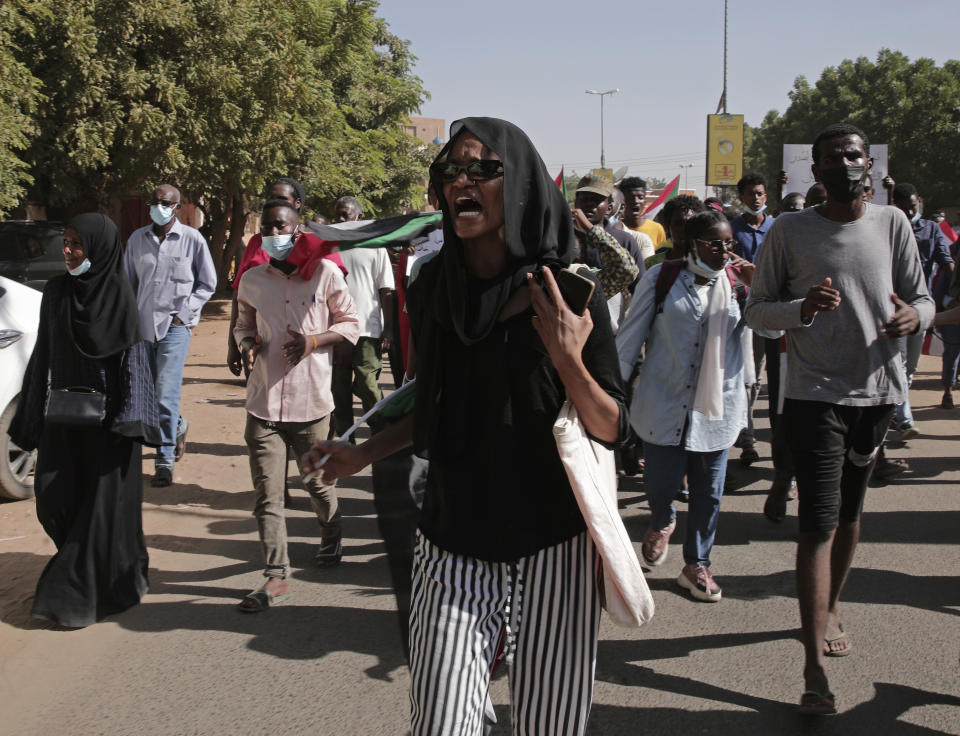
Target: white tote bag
593,477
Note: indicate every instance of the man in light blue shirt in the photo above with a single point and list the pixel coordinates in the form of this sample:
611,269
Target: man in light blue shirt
169,265
749,231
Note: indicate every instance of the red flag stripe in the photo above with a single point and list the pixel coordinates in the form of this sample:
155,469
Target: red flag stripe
665,194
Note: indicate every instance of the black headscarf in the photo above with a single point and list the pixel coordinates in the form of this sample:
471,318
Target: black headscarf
101,307
538,230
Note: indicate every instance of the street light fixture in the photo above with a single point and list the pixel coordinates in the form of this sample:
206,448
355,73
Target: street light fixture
685,168
603,158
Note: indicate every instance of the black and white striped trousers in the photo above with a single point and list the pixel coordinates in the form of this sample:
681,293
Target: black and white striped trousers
547,604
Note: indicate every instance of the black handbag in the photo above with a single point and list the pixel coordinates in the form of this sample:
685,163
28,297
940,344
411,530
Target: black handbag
76,406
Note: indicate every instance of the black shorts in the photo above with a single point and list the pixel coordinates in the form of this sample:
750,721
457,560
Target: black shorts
834,448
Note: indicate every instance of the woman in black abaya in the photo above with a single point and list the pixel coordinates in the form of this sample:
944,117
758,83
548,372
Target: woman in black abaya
88,479
502,549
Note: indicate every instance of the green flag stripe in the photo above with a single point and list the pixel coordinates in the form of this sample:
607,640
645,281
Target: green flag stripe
405,232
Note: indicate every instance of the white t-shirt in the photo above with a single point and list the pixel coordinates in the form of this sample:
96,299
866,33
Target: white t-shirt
644,242
368,271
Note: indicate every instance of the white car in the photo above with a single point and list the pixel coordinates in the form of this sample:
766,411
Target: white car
19,318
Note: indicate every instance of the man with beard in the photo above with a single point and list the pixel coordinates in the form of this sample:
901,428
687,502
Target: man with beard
844,280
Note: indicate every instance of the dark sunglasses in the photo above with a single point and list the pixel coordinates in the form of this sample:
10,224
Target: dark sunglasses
718,246
481,170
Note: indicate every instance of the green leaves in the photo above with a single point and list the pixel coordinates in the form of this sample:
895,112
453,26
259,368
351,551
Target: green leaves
912,106
219,97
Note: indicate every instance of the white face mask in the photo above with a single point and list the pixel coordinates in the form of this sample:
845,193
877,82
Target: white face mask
277,246
754,212
81,269
700,268
161,214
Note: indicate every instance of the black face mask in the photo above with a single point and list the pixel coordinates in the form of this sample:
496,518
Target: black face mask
843,184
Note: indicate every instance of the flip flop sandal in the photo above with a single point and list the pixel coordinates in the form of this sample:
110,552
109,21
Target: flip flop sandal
260,600
829,651
813,703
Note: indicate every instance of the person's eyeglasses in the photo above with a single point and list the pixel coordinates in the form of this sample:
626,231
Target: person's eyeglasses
481,170
718,246
163,203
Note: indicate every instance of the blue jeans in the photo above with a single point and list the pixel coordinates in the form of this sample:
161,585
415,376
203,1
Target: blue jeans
168,356
951,354
662,475
910,349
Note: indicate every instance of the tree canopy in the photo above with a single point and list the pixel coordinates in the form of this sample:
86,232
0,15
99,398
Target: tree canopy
912,106
19,97
220,97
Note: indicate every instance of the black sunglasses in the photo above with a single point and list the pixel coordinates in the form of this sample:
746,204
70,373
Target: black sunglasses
483,169
718,246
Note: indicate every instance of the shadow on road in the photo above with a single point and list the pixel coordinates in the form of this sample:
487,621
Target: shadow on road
763,716
288,631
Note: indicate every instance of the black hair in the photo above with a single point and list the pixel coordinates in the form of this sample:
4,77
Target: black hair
836,130
792,195
297,187
698,225
751,179
352,201
682,202
904,191
279,203
731,211
632,182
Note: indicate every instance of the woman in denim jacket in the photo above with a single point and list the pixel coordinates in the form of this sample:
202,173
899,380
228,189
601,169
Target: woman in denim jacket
689,404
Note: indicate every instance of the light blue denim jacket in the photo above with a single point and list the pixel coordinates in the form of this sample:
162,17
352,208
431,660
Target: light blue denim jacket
667,381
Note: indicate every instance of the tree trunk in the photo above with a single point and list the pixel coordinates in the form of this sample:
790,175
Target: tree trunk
234,244
219,225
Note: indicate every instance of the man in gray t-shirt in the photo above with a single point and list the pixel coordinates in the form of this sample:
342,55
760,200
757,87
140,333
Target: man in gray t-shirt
843,279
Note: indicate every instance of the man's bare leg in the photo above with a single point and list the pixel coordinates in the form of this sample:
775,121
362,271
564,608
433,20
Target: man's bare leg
814,554
841,558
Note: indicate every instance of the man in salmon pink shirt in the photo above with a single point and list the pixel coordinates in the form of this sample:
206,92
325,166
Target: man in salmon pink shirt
291,311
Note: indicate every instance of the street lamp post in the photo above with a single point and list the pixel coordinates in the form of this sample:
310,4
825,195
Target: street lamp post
603,158
685,168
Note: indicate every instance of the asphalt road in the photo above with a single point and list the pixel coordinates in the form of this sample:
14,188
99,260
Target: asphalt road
330,660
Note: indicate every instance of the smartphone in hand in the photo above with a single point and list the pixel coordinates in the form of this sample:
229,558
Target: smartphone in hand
575,289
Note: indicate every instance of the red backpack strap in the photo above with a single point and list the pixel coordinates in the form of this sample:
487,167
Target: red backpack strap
739,289
669,270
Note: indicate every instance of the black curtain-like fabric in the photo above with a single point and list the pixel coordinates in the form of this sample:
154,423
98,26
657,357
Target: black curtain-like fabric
101,305
89,491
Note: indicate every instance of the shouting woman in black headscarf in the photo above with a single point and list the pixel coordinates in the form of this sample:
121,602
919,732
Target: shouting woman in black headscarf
88,474
502,547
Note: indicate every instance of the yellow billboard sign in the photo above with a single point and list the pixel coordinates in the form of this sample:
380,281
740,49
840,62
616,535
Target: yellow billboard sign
724,149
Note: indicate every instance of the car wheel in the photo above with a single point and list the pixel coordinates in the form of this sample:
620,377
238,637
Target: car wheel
16,465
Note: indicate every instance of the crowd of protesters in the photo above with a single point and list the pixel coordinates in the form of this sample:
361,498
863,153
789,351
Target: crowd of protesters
826,293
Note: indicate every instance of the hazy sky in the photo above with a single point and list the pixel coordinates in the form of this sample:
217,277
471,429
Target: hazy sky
529,61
